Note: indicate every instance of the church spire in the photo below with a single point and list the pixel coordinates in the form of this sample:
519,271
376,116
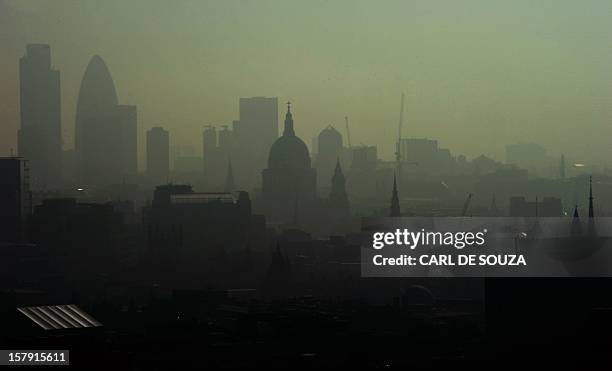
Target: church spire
395,207
338,198
288,122
591,211
576,227
229,177
338,177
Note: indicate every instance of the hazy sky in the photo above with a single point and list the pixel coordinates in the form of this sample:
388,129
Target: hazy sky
477,74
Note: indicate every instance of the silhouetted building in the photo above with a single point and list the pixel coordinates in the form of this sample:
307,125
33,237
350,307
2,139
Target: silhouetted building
289,177
89,233
226,139
364,158
196,230
576,226
217,148
127,121
532,157
69,166
425,156
105,140
329,145
335,218
548,207
187,169
338,199
209,147
363,180
163,193
482,165
158,155
40,134
15,198
255,132
229,177
278,276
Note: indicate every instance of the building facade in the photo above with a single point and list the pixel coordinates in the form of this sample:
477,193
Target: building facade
15,199
105,140
40,133
158,155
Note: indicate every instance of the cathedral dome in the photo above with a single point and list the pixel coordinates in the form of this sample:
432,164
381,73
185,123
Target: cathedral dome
289,151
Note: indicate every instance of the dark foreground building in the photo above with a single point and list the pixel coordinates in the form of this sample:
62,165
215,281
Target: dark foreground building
199,232
15,198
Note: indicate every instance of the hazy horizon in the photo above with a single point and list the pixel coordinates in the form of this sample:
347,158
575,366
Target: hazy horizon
477,75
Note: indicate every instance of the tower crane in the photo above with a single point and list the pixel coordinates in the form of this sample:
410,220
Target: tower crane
348,131
466,205
398,155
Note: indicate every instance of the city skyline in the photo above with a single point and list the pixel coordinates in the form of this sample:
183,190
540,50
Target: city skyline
465,87
235,184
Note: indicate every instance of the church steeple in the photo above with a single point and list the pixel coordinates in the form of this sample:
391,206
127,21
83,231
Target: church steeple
576,227
288,122
591,211
395,207
338,198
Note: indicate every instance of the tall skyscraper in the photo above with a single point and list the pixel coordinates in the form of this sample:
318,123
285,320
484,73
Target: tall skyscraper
217,148
40,134
329,144
259,120
229,177
105,131
15,198
158,155
127,120
211,158
255,131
